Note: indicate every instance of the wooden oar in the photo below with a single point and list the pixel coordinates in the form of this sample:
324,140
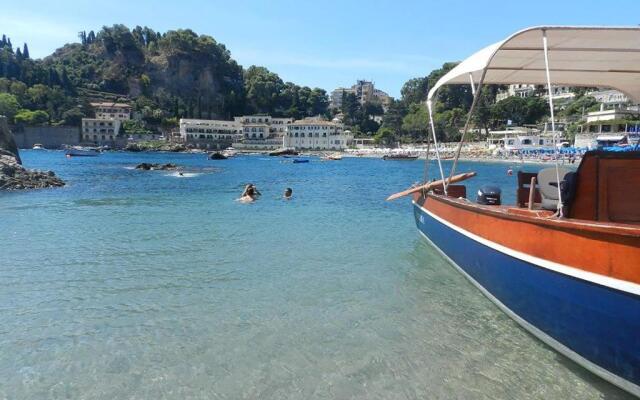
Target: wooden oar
431,185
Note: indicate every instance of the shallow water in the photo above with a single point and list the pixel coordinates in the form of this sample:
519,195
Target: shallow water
137,284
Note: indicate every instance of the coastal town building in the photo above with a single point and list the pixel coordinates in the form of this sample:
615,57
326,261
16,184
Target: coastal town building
516,90
317,134
104,129
364,91
610,98
261,132
558,93
209,134
609,127
335,100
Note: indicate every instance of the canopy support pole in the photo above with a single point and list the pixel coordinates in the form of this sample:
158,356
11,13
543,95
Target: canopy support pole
476,96
435,143
553,120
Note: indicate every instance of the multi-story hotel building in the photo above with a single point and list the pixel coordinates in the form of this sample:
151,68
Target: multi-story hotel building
316,134
209,134
105,127
261,132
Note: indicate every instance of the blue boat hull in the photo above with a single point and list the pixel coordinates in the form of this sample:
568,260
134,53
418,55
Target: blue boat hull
594,325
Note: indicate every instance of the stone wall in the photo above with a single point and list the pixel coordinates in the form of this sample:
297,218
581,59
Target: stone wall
51,137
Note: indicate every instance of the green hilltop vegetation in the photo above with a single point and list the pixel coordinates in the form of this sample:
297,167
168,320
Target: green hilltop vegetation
180,74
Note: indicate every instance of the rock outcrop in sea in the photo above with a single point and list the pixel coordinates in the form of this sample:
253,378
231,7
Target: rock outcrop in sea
13,175
155,166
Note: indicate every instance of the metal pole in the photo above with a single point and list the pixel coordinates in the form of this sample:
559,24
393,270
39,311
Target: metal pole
553,122
435,142
466,124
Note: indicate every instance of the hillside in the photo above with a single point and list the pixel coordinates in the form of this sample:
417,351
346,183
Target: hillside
165,75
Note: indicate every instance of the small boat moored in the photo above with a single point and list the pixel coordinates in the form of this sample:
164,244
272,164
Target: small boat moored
400,157
38,146
78,151
564,261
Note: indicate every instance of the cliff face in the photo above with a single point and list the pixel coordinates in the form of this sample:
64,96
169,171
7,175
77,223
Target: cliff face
178,71
7,142
12,174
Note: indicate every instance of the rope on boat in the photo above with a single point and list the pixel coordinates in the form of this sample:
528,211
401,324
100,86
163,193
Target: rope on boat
553,122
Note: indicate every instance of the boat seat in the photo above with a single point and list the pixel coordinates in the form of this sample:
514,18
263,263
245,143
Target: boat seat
548,186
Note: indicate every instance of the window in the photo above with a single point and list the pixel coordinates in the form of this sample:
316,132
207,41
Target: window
541,142
606,128
526,141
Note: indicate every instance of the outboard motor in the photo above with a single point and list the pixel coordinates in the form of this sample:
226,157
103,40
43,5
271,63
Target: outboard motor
489,195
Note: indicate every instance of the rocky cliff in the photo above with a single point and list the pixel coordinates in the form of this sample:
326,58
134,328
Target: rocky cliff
12,174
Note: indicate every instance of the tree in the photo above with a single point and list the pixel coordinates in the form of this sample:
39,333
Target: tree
385,136
25,52
520,110
394,115
350,108
262,89
416,122
28,117
9,105
72,116
415,90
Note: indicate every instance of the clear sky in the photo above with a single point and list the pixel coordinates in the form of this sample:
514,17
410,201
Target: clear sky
328,43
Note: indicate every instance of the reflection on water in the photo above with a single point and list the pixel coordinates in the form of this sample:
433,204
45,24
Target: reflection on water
132,285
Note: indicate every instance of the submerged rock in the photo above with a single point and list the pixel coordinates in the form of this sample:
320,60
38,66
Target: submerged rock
156,166
13,176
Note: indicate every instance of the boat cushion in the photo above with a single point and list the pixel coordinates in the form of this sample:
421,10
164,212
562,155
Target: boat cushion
548,186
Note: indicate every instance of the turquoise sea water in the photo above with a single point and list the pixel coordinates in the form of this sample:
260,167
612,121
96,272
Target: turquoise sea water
134,284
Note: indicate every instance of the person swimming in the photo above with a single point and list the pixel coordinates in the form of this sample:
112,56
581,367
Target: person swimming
248,195
288,192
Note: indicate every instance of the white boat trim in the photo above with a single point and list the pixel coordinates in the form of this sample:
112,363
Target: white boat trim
613,283
553,343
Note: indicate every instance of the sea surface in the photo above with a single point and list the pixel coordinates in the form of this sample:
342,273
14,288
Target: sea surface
129,284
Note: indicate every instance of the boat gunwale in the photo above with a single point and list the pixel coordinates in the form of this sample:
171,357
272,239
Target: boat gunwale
611,228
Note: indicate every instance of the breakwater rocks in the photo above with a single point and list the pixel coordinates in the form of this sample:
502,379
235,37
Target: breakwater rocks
154,146
154,167
13,176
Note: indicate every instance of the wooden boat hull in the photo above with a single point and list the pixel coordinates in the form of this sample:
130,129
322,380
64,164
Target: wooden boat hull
593,319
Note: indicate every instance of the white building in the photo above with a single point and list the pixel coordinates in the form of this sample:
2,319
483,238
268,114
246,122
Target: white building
608,127
610,98
209,134
559,93
119,111
519,90
100,131
104,129
521,138
316,134
261,132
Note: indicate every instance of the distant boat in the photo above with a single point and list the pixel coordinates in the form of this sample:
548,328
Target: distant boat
38,146
217,156
230,152
399,157
82,152
300,161
332,157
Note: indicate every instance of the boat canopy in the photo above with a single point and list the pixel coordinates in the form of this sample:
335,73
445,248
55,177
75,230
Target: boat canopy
578,56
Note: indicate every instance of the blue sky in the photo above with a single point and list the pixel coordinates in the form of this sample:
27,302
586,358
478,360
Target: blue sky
319,43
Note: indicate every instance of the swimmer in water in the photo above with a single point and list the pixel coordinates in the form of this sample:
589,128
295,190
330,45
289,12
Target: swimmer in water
287,194
509,172
249,195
